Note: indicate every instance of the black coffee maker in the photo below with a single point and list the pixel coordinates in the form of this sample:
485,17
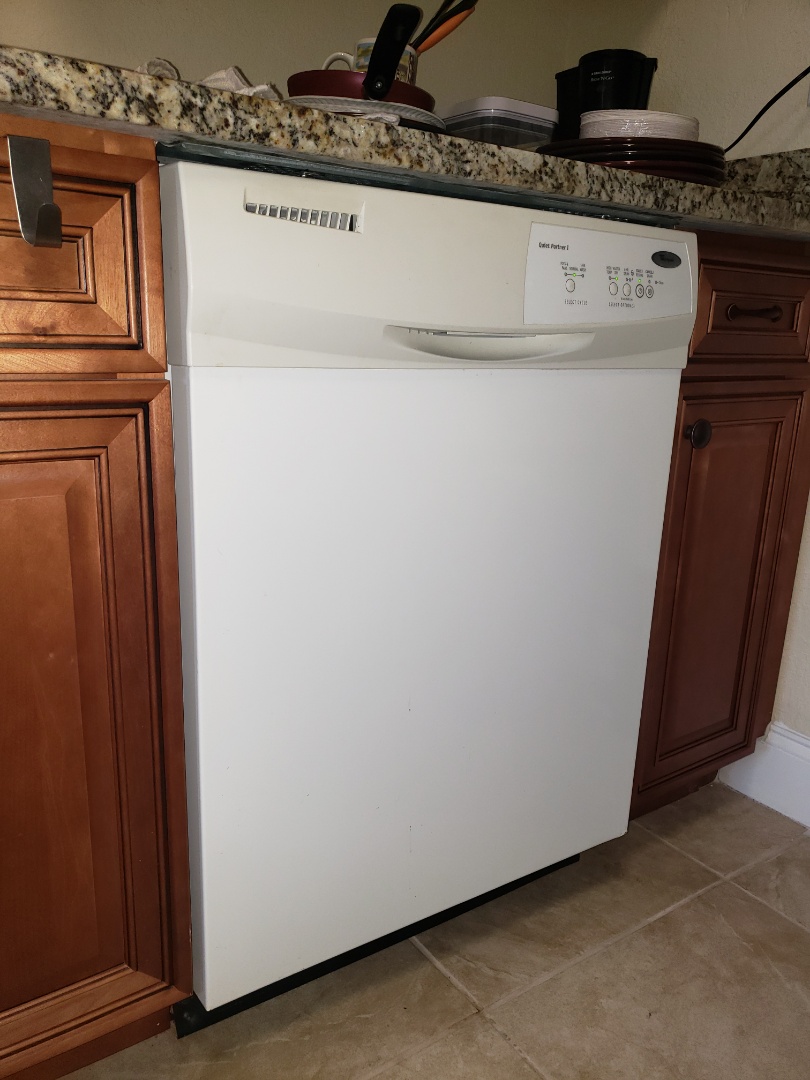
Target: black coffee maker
606,79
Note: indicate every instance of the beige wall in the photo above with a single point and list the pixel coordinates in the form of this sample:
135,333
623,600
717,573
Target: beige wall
720,60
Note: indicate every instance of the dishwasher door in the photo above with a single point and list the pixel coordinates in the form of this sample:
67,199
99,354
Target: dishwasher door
416,610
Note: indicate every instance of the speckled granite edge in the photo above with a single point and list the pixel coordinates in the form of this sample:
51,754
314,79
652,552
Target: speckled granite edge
772,192
785,175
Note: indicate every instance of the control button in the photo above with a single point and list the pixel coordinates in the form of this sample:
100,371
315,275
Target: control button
667,259
570,284
262,208
614,288
639,290
626,289
250,207
650,291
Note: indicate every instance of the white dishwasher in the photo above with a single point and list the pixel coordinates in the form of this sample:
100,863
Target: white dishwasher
422,449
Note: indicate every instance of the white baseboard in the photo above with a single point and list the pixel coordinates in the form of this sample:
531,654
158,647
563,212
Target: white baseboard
777,774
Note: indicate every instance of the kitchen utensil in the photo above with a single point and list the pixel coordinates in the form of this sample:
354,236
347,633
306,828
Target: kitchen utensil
399,23
358,60
444,29
337,83
607,123
431,24
440,18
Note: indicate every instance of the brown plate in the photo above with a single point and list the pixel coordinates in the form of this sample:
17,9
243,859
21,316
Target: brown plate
631,143
647,155
349,84
654,163
690,176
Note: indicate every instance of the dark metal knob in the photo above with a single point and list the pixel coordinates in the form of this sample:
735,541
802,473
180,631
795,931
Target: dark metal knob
699,434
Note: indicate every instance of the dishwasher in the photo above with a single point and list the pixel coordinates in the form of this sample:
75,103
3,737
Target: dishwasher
422,449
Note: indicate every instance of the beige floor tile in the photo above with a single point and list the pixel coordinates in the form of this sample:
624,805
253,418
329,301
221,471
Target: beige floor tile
784,883
722,828
513,940
718,989
471,1051
338,1028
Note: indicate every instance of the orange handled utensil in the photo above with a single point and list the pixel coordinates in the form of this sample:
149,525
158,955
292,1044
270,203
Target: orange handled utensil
442,31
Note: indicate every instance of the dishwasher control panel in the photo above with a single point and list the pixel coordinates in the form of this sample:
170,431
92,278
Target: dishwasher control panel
578,275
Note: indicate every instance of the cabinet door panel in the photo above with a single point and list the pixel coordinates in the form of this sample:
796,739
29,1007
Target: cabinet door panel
726,511
94,933
63,920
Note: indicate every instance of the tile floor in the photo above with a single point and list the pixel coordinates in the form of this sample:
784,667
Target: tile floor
679,952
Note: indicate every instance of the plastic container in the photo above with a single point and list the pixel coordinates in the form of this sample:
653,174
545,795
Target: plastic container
503,121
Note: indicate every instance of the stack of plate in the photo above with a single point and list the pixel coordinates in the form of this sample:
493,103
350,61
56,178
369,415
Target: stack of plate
637,123
678,159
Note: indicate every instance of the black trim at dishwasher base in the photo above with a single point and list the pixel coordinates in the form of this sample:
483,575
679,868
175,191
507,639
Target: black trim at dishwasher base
191,1015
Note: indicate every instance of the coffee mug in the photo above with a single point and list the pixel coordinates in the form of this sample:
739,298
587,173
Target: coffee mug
406,68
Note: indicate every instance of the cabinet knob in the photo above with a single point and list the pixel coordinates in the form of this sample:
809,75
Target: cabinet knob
699,434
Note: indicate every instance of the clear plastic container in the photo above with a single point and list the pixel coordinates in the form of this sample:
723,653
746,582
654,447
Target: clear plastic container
503,121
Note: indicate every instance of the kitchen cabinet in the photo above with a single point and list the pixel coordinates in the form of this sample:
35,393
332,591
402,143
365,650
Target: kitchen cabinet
94,907
95,304
737,496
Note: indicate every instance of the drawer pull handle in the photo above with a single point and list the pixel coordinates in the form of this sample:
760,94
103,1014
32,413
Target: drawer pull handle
772,314
699,434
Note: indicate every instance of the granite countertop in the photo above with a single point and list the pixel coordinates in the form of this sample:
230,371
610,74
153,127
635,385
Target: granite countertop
769,194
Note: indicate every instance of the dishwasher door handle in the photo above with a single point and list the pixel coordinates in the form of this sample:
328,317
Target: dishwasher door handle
487,347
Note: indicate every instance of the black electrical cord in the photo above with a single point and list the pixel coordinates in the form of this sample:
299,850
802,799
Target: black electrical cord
765,108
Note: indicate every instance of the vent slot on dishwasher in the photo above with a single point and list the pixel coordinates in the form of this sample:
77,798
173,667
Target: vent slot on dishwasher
325,219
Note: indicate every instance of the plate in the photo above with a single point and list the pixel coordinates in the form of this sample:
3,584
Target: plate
690,176
657,163
358,107
686,146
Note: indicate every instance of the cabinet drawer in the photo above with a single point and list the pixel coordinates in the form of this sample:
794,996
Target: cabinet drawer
751,313
93,305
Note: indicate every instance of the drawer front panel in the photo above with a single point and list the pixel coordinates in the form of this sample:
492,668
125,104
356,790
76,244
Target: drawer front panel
751,314
95,304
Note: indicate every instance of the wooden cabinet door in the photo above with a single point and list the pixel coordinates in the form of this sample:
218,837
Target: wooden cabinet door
94,922
96,303
734,517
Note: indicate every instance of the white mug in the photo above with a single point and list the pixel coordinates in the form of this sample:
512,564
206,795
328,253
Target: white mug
358,61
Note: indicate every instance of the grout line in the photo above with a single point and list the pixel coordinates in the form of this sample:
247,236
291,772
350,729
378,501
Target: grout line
428,955
518,1050
680,851
774,853
770,854
597,949
383,1067
770,907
